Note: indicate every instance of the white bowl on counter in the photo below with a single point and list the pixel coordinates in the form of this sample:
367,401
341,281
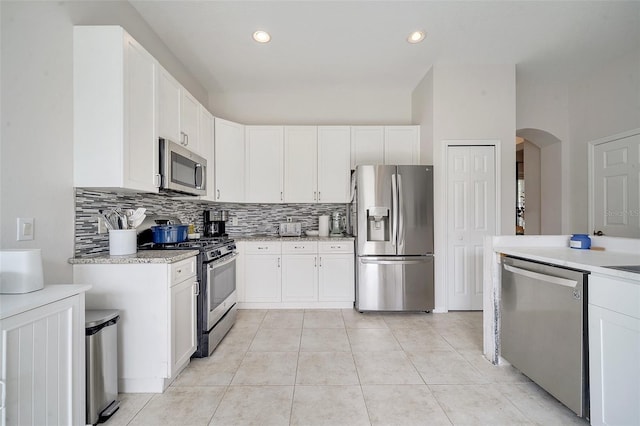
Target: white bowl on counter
312,233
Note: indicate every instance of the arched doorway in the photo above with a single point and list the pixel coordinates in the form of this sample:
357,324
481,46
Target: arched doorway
539,182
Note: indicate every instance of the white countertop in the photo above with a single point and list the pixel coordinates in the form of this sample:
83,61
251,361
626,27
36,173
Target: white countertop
588,260
13,304
300,238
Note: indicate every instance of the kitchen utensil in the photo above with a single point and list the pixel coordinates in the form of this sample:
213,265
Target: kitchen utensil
136,222
167,234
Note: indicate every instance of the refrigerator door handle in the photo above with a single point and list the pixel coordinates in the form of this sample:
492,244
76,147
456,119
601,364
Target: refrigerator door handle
396,260
400,213
394,209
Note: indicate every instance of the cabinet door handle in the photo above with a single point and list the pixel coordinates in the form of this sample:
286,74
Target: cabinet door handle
186,139
196,288
318,195
178,271
314,195
321,261
278,262
315,262
218,191
281,196
4,394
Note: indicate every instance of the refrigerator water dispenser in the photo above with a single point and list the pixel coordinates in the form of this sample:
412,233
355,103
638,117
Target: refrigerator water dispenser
378,224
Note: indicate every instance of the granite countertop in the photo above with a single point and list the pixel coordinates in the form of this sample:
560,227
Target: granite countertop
589,260
13,304
301,238
142,256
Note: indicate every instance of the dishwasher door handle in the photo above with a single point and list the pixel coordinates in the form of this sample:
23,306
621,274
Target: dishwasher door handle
542,277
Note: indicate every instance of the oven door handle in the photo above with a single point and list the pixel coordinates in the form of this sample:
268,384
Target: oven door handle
216,264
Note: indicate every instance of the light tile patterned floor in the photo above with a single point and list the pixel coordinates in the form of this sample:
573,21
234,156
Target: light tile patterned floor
340,367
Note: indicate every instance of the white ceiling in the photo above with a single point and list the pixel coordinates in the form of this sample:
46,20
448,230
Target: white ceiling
362,44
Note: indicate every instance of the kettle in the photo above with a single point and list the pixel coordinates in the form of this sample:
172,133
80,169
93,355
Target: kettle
337,223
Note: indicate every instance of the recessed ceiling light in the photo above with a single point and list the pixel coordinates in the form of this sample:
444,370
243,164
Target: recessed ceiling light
416,37
261,36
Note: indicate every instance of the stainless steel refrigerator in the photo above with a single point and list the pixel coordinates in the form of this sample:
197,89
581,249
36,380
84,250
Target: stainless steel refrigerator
394,252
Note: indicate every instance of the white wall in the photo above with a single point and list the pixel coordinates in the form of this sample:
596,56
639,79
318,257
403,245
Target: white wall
551,189
36,173
422,113
338,106
605,103
532,191
473,102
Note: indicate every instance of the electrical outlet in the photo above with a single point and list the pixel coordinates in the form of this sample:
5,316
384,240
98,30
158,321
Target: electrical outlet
234,221
289,219
102,228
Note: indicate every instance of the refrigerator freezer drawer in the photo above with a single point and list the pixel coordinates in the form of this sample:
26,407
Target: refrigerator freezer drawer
395,283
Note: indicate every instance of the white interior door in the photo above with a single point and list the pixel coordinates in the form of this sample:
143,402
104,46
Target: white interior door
616,188
471,215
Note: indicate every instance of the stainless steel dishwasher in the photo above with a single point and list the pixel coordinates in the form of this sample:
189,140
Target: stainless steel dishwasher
543,328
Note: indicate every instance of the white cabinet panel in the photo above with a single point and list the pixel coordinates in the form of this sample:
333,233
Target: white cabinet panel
42,357
168,106
367,145
336,278
229,161
334,164
264,164
183,323
189,121
402,145
262,278
299,278
205,138
114,106
300,164
614,350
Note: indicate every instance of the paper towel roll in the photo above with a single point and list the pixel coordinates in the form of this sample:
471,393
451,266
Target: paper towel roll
20,271
323,226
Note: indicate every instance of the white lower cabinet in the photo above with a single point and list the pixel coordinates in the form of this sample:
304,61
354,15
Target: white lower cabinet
296,274
614,350
263,272
157,328
42,353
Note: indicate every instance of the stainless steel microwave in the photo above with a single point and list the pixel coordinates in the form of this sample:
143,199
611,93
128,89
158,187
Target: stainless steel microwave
181,170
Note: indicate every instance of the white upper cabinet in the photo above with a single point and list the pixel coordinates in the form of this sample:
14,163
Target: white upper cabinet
178,113
189,111
402,145
385,145
367,145
229,161
115,141
264,145
207,148
300,164
334,159
168,100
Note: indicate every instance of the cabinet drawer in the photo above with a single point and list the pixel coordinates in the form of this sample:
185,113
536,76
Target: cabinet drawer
263,247
336,247
616,294
182,270
299,247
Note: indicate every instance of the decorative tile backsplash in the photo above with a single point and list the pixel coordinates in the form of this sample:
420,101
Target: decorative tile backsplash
252,218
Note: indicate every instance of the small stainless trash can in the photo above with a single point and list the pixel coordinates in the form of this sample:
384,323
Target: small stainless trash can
101,343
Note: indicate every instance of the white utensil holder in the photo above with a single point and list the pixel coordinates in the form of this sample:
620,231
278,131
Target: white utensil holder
122,242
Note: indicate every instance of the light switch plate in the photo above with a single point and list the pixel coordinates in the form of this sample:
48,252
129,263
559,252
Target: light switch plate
26,228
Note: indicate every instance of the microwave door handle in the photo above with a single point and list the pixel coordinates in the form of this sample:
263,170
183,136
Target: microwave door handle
199,171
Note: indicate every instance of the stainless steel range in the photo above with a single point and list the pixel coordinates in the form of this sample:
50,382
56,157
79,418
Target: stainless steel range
216,303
